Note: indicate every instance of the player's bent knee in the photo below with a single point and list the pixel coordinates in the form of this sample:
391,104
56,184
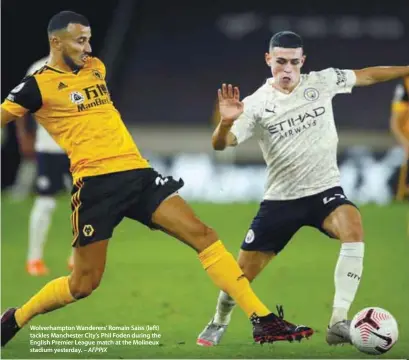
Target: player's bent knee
354,237
210,235
250,270
346,223
354,230
253,262
199,236
81,289
95,282
354,233
207,237
83,285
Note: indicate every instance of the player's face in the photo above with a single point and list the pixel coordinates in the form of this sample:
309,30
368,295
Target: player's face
285,64
75,45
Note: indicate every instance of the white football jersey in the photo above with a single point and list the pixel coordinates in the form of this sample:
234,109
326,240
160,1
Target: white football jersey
296,133
44,142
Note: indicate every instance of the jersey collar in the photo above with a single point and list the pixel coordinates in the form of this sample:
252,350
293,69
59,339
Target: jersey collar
269,83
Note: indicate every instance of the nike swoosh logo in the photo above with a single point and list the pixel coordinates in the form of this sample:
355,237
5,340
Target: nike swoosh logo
270,111
388,339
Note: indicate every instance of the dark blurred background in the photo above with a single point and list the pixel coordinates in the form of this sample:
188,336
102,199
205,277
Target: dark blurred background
165,61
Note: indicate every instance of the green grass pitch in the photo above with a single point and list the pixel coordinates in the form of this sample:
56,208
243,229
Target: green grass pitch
151,279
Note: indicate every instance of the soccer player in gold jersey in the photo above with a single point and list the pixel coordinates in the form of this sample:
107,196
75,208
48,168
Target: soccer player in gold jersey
70,99
399,122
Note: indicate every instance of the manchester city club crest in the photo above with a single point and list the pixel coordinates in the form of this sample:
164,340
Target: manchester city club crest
311,94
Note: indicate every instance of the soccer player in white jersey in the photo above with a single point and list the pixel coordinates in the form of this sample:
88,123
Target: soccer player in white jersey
291,115
52,176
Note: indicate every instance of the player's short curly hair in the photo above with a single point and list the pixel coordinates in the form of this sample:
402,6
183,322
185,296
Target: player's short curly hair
62,19
286,39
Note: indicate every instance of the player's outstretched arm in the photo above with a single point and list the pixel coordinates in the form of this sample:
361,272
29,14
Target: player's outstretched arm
223,137
376,74
230,108
6,117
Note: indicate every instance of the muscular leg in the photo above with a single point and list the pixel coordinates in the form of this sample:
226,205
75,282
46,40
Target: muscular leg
89,265
345,224
251,263
176,217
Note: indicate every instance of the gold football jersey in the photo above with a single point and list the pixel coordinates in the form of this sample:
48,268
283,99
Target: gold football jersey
77,111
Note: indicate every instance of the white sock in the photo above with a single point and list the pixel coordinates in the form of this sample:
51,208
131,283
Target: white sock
40,219
347,277
224,309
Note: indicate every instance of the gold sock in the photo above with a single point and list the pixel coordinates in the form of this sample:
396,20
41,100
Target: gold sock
52,296
227,275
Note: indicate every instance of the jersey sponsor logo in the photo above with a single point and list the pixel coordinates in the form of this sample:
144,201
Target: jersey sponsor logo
296,125
95,91
97,94
77,98
249,237
328,199
341,77
96,102
311,94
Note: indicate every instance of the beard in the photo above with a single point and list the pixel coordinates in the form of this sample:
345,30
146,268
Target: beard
71,64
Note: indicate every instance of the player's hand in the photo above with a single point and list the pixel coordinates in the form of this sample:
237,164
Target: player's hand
230,106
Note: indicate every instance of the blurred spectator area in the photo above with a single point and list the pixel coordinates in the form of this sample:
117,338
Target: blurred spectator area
176,58
166,60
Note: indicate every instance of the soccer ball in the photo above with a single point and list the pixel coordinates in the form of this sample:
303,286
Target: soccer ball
374,331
